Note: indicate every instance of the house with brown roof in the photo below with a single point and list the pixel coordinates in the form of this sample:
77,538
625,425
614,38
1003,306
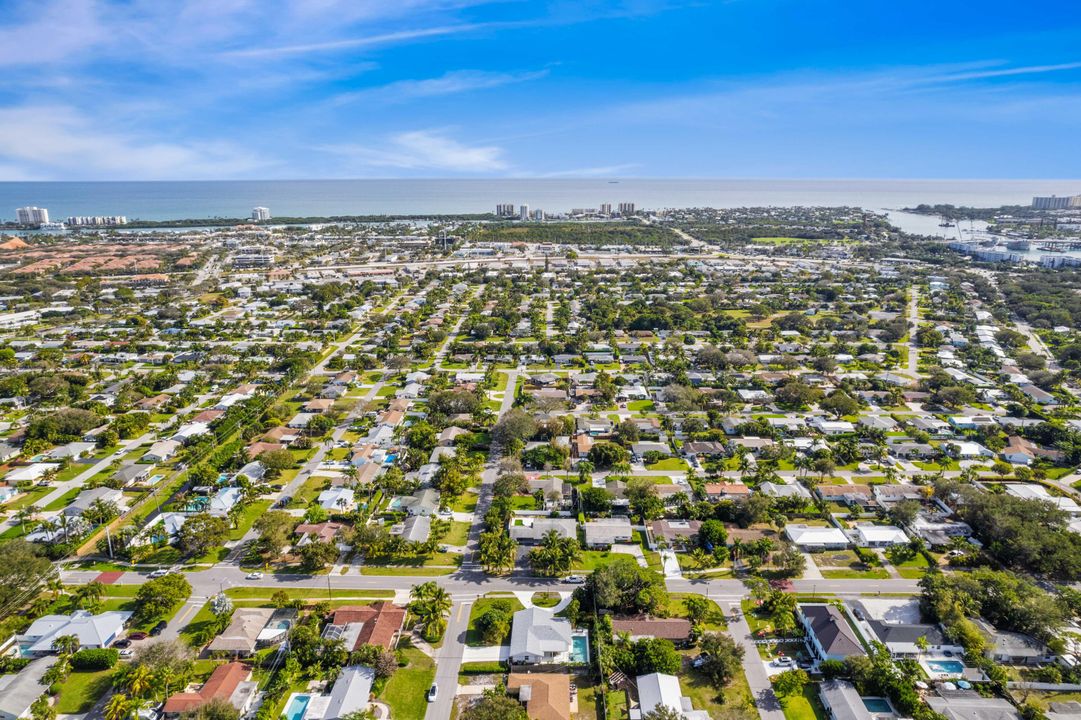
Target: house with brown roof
228,682
258,448
861,495
375,624
281,434
207,416
674,533
323,532
677,630
318,405
546,696
716,492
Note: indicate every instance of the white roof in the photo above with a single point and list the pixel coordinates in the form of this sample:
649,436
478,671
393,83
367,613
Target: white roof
879,534
1039,492
92,630
815,535
350,692
663,689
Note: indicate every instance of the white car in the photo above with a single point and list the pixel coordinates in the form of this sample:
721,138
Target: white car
433,691
254,576
158,573
127,653
575,579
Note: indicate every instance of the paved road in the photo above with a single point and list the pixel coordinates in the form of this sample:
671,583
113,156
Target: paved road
769,707
448,660
913,326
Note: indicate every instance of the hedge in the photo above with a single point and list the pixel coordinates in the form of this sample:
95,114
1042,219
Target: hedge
95,659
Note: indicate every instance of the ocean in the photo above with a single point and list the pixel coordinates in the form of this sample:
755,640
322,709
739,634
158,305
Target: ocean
309,198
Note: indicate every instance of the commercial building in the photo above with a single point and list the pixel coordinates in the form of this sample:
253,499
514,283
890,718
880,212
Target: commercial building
505,210
97,220
626,208
260,213
31,215
1054,202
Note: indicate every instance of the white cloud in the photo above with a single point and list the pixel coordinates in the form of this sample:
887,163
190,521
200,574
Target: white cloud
50,32
451,83
425,150
348,43
55,142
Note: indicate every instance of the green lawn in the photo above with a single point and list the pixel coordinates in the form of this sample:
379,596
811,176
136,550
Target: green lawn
734,703
669,464
472,635
913,568
406,691
805,706
458,534
28,498
466,502
640,405
81,690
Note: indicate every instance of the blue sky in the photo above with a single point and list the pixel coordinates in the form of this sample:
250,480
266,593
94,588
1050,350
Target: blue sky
200,89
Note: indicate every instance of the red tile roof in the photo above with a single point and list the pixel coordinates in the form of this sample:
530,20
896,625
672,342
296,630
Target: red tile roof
221,684
382,621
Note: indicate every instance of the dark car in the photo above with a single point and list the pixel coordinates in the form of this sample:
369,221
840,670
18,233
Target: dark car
137,636
122,643
284,502
157,629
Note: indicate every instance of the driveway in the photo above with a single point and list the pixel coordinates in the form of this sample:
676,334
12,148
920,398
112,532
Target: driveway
487,653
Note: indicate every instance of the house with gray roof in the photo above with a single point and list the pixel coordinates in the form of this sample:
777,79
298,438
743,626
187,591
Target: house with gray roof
538,636
20,690
829,635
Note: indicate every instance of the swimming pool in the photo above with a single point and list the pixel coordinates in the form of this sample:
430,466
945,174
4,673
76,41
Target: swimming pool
296,707
946,667
579,649
877,705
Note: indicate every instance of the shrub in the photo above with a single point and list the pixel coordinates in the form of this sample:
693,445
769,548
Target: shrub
95,659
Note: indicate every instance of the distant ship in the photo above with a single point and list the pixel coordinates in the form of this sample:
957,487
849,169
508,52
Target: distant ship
946,224
613,182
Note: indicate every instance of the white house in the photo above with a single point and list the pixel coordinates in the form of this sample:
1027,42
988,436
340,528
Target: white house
816,537
659,689
93,631
538,636
161,451
877,536
337,499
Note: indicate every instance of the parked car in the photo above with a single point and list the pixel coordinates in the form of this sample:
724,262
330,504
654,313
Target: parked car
700,660
433,691
140,635
575,579
127,653
254,576
122,643
158,629
158,573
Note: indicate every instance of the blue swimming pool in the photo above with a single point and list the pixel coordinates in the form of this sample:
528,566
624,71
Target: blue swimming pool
579,649
877,705
296,707
948,667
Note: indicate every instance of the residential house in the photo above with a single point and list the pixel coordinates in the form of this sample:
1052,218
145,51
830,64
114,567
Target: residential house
828,633
227,682
161,451
93,631
375,624
86,498
531,529
605,532
538,636
868,535
842,701
814,538
252,628
958,704
659,689
18,691
715,492
677,630
337,499
546,696
350,693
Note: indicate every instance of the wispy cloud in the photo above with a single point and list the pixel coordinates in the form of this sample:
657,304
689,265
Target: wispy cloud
353,43
451,83
423,150
1003,72
56,142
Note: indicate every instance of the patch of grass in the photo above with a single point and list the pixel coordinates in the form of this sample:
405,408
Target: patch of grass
399,570
406,691
81,690
458,534
805,706
669,464
472,634
545,599
28,498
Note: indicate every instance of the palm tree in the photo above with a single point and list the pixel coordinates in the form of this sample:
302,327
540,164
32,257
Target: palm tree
67,644
42,709
24,514
89,596
139,681
118,707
